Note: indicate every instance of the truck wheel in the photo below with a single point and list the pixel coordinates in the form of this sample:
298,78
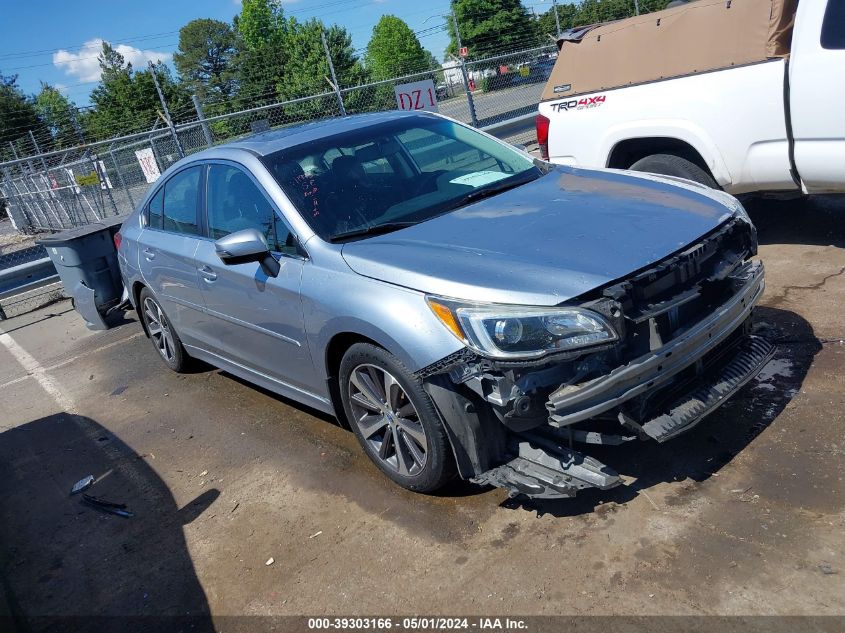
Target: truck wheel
163,336
394,419
671,165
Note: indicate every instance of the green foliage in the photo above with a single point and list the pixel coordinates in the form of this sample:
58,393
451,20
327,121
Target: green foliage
17,112
307,69
394,50
59,115
264,57
593,12
489,27
126,100
205,58
259,22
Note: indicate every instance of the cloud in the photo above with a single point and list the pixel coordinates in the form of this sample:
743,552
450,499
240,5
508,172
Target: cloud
84,65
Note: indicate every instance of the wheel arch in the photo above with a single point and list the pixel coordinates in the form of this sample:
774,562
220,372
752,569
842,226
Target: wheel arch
335,350
137,287
637,140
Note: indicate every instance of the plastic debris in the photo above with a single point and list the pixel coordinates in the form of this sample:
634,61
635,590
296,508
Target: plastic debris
316,535
270,561
82,484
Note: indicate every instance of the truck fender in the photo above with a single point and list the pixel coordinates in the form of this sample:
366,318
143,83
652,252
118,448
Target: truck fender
680,130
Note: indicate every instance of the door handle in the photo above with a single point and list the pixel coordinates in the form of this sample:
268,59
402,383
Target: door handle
207,274
149,255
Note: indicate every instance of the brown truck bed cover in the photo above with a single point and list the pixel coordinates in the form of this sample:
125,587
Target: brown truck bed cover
696,37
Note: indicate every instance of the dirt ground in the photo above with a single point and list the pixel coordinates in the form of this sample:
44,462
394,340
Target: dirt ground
742,516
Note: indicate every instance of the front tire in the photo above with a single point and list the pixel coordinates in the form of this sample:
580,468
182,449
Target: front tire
164,338
671,165
394,419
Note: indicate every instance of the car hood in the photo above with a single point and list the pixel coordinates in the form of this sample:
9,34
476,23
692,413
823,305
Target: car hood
543,243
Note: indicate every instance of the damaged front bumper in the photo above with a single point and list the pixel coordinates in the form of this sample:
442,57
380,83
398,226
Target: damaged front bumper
658,396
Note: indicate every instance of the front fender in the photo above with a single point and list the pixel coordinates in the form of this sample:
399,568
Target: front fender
396,318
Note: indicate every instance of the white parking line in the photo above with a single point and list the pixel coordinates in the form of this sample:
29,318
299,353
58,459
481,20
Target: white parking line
61,364
34,369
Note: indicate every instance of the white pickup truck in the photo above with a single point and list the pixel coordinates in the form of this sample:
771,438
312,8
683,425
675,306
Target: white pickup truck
747,95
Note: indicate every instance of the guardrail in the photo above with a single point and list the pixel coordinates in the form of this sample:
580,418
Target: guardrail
24,278
514,126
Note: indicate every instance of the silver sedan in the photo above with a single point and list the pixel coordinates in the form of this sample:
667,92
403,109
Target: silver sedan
464,308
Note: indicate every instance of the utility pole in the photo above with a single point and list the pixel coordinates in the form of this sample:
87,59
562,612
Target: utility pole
334,77
167,118
206,130
470,100
637,7
557,17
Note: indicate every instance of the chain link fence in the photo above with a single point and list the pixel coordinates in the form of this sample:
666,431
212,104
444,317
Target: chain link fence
47,192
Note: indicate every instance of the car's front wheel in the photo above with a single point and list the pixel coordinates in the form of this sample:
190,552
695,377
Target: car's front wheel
163,336
394,419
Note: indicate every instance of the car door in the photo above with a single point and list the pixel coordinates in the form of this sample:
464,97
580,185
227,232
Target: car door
167,247
816,94
252,319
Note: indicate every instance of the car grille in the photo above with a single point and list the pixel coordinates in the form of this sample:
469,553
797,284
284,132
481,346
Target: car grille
676,293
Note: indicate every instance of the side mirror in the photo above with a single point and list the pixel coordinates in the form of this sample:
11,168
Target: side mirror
247,245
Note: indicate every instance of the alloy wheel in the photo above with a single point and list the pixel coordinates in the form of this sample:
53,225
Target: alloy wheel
387,419
159,329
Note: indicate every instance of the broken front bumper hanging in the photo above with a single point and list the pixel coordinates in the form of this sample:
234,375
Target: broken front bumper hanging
657,396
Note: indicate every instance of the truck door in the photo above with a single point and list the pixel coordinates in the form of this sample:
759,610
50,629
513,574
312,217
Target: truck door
817,92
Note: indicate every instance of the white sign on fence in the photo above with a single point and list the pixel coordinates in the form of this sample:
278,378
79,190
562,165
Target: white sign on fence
148,163
419,95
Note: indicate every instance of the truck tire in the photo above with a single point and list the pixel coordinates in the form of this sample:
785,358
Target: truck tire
671,165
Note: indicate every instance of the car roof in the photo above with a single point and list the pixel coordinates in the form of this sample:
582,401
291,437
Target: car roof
271,141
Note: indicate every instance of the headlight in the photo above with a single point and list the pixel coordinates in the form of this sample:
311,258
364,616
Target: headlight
511,332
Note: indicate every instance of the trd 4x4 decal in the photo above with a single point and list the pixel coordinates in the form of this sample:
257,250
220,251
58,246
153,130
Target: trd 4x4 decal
579,104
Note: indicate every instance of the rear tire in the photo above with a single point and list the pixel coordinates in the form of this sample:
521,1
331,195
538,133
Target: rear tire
671,165
394,419
162,335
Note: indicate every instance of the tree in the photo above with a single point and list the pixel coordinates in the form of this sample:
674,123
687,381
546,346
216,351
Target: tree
394,50
17,113
546,24
259,21
489,27
306,70
261,30
59,115
205,58
126,100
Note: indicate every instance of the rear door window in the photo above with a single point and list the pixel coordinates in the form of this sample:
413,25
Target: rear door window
156,207
181,194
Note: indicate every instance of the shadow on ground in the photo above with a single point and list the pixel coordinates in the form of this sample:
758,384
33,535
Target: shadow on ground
68,566
705,449
815,220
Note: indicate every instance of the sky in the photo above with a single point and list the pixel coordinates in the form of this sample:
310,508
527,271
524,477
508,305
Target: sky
57,41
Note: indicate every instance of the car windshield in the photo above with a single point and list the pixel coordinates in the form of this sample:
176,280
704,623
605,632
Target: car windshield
394,174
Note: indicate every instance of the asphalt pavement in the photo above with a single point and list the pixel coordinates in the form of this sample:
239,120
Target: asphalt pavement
742,516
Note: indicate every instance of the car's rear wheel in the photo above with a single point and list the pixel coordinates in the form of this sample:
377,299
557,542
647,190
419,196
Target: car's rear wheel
163,336
671,165
394,419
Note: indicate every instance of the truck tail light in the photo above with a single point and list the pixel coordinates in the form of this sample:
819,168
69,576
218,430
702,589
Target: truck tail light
542,124
118,238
